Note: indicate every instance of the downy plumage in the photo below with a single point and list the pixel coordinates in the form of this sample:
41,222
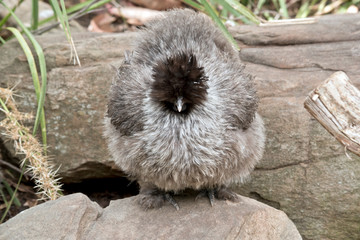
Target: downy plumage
182,113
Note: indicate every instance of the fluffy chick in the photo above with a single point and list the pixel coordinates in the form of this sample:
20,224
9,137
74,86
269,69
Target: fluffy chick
181,112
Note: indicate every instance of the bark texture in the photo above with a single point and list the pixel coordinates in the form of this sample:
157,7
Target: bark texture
336,105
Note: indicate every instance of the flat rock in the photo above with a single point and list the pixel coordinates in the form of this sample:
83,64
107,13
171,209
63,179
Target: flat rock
76,217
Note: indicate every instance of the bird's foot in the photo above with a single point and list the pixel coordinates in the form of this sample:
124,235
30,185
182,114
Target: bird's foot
172,201
224,193
221,193
154,198
210,193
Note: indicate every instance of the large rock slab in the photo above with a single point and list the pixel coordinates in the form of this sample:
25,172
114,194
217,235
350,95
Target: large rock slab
305,171
76,217
75,101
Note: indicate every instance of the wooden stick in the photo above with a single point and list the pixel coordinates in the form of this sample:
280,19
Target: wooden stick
336,105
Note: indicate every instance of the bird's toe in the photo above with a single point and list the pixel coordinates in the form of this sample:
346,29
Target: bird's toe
149,201
226,194
172,201
210,193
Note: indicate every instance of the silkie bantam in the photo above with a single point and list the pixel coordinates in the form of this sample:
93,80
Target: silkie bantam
182,113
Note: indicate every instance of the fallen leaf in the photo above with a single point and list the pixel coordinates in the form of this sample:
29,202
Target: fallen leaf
135,15
158,4
102,23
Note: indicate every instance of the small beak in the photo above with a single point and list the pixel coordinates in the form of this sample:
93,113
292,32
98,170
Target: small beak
179,104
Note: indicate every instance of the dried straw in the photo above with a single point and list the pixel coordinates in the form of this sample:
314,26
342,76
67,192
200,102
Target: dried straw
44,175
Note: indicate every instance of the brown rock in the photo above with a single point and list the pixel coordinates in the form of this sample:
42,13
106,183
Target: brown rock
76,217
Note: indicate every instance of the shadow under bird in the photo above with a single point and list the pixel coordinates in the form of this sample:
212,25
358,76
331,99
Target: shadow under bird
182,113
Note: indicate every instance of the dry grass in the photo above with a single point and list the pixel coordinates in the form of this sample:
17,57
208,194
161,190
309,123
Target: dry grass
26,145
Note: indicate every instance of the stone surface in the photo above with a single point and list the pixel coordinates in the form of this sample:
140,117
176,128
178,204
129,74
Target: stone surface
75,101
305,171
76,217
66,218
327,28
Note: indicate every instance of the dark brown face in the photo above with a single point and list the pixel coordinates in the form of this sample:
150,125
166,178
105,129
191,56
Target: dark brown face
179,83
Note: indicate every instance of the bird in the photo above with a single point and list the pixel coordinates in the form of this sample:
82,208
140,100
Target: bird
182,113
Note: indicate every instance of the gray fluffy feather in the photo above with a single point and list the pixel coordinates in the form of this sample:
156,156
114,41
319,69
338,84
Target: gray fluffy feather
216,144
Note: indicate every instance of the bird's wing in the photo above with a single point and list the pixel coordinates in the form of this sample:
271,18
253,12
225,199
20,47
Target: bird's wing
243,101
126,100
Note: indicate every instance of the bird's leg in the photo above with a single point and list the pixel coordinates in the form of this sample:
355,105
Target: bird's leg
221,193
152,197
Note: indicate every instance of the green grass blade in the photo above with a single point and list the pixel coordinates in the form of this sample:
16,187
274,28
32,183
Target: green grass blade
244,11
35,77
30,59
64,14
3,197
283,9
224,13
43,130
212,13
11,192
4,20
303,10
321,7
276,4
233,11
62,17
194,4
2,40
42,64
260,4
3,105
59,15
343,8
66,29
15,191
78,7
229,8
34,14
98,4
